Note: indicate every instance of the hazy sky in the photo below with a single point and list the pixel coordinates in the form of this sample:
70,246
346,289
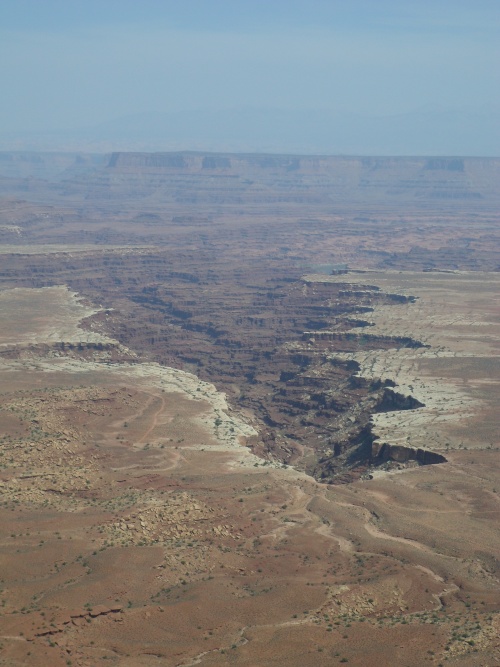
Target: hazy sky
72,63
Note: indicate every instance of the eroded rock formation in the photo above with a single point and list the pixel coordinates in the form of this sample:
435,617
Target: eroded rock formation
265,336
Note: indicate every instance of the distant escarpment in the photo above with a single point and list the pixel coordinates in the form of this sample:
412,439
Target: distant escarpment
293,178
320,184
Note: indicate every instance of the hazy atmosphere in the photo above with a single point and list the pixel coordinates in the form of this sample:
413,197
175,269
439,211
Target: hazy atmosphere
323,76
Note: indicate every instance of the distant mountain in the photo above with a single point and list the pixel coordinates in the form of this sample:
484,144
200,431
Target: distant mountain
439,132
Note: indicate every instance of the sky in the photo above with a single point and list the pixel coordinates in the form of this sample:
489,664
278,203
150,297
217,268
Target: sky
69,65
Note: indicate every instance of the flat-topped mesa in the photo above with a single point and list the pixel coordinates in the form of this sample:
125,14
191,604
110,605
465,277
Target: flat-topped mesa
155,160
192,161
290,162
198,177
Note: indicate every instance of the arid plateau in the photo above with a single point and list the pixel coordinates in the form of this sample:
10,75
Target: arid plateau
249,410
